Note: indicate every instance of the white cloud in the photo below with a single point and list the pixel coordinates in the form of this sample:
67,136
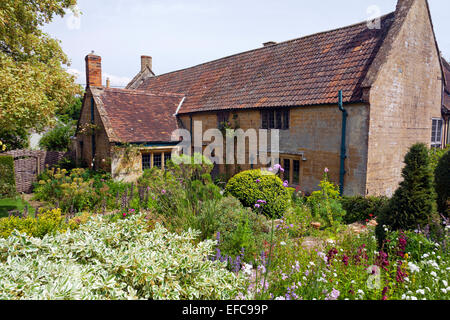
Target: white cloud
73,18
77,73
117,81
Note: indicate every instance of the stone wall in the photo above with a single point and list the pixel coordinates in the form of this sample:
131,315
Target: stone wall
314,138
404,98
102,145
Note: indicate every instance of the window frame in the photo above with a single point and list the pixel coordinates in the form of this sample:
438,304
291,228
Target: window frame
278,118
292,159
166,155
437,126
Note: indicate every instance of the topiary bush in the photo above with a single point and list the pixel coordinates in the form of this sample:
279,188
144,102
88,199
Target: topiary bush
253,185
414,202
7,177
359,208
442,184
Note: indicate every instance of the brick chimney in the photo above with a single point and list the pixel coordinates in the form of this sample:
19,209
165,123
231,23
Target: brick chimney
93,70
146,61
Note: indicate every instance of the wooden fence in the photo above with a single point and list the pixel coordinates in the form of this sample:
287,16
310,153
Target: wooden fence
28,164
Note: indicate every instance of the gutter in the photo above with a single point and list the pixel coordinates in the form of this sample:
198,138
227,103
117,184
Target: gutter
343,143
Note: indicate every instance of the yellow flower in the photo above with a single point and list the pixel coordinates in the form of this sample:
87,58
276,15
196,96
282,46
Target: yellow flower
406,256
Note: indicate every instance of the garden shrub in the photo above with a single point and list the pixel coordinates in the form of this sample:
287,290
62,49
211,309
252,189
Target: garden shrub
78,190
48,222
359,208
190,168
414,202
435,155
99,263
57,139
240,228
325,203
7,177
253,185
442,184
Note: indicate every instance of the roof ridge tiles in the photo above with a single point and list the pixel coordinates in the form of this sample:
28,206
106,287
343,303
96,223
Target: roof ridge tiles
143,92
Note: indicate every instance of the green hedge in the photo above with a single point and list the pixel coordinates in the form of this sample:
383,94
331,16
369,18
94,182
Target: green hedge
442,183
251,186
7,178
361,208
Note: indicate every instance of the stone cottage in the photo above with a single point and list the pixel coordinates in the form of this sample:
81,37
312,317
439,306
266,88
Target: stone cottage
391,77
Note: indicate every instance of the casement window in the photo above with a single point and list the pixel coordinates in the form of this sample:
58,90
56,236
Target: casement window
222,118
167,157
146,161
291,166
436,133
155,159
275,119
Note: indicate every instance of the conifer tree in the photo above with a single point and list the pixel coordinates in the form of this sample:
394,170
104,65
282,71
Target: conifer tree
442,184
414,202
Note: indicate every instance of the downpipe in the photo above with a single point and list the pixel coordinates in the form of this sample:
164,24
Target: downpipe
343,143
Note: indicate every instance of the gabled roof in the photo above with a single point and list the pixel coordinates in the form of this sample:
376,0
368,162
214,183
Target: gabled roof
133,116
446,97
306,71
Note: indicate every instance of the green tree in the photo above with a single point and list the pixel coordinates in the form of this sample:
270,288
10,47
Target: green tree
33,81
442,183
414,202
72,112
58,139
17,138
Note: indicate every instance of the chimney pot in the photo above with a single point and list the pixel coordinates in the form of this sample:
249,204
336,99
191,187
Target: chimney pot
93,70
108,82
146,61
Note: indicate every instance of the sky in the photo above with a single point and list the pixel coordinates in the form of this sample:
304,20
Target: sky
183,33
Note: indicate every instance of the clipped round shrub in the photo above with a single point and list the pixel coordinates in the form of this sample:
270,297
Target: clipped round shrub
253,185
442,184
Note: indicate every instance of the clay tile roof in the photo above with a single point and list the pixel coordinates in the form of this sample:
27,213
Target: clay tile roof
305,71
137,116
446,98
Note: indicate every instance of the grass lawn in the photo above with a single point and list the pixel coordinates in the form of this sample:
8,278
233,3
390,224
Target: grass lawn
12,204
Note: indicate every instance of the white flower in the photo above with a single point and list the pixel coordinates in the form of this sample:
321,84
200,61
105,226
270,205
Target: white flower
282,243
433,274
247,269
280,298
413,298
444,290
312,263
413,267
421,291
445,283
426,255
